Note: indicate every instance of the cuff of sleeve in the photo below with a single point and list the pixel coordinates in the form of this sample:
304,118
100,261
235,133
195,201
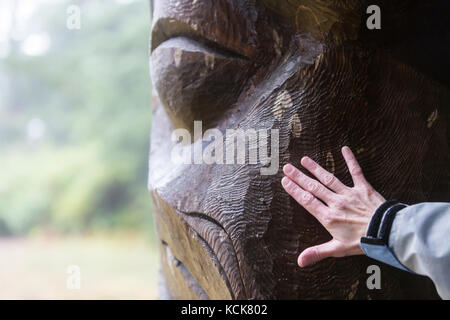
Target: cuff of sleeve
376,242
374,224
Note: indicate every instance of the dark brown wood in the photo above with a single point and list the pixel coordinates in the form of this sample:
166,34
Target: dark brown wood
312,70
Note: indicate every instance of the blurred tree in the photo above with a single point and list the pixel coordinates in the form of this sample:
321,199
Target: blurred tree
75,122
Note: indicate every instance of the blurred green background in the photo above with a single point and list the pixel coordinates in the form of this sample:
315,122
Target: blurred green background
75,115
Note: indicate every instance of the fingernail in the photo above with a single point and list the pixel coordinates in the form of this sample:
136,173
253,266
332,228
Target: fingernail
306,161
306,261
288,169
300,262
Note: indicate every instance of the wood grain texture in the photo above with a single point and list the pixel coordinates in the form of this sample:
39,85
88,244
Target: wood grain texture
226,231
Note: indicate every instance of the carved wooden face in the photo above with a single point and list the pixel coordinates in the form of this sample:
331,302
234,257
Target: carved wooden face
312,71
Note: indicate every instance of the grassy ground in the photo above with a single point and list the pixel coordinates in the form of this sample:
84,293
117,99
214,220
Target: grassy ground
111,268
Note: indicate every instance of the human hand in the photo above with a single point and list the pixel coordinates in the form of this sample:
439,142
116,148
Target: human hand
347,210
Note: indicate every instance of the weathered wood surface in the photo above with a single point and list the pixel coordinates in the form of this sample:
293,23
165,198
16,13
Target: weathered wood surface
312,70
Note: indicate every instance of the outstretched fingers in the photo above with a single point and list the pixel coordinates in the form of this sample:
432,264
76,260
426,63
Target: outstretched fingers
325,177
311,185
305,199
353,167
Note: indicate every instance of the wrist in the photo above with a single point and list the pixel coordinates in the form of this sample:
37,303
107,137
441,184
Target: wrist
375,244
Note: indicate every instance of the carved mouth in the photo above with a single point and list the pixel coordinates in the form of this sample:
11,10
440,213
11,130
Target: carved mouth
190,281
202,256
218,242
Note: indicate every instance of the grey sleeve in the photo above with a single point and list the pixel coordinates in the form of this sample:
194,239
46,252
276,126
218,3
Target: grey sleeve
420,239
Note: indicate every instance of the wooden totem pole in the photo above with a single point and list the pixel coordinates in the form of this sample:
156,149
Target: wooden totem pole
312,72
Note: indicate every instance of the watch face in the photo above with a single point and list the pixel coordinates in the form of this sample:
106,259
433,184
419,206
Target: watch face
288,78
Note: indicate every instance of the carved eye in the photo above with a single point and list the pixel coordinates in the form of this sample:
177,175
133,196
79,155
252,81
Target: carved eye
195,79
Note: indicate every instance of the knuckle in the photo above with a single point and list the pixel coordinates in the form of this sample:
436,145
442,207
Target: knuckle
312,186
289,186
294,173
355,170
295,191
327,179
316,170
316,254
306,198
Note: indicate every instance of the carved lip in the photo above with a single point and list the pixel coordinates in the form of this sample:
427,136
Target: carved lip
199,229
214,237
168,28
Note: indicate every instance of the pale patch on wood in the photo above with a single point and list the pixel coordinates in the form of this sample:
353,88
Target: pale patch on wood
209,61
296,126
282,103
170,261
303,73
177,55
318,61
319,18
432,118
353,290
330,162
307,22
360,150
278,43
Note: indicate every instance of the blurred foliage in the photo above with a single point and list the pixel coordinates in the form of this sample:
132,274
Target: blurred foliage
92,91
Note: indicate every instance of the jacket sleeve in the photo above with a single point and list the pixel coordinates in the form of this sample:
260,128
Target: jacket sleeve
413,238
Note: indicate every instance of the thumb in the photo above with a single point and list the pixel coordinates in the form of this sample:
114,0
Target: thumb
317,253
